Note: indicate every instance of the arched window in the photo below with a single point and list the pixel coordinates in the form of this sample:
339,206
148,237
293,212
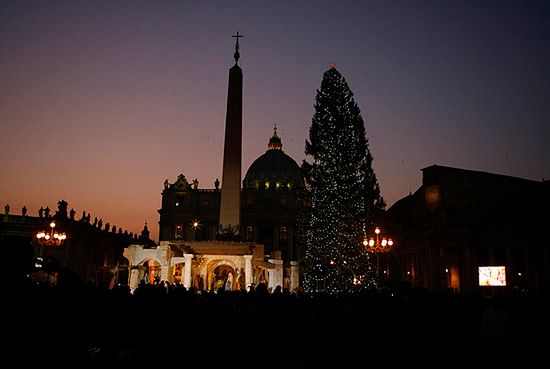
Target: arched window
250,233
282,233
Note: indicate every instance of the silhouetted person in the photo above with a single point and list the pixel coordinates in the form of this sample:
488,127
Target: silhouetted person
100,224
217,184
261,289
47,212
72,213
63,277
24,211
7,209
145,271
201,282
41,212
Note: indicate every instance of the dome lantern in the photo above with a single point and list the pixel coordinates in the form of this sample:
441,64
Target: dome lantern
275,141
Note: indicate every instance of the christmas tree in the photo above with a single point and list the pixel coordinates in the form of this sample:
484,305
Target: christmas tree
343,192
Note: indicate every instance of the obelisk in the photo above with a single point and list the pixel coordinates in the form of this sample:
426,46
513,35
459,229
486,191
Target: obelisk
230,207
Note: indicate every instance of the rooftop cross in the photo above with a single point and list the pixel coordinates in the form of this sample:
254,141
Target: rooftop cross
237,55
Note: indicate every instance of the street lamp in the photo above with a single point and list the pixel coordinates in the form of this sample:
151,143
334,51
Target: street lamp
52,238
377,245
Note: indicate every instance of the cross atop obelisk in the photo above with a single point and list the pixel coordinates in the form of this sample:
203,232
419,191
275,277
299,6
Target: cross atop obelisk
237,55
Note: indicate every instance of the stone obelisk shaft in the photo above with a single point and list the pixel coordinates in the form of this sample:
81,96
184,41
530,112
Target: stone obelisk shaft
230,207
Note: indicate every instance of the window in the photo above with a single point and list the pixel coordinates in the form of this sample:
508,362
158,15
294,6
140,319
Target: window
282,233
179,201
250,233
432,195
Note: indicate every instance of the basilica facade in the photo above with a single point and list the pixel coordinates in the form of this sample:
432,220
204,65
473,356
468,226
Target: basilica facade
270,205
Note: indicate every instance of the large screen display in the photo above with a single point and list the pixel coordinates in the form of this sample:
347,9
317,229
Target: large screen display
492,276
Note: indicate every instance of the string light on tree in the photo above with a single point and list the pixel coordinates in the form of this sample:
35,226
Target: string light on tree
343,192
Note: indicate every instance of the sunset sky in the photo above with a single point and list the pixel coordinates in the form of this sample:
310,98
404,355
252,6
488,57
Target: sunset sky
101,101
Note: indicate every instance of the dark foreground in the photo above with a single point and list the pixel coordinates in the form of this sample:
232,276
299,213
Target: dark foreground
87,327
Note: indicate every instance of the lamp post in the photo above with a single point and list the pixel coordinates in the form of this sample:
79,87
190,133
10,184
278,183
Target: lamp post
377,245
51,238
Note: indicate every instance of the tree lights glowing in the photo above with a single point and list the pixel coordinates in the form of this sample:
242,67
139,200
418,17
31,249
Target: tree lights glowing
343,190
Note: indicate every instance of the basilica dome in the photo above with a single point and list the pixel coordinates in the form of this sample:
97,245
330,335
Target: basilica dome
273,170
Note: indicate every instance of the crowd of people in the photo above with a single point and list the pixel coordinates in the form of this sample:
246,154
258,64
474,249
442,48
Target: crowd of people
161,324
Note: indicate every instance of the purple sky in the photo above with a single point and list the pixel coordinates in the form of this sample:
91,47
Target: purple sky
101,101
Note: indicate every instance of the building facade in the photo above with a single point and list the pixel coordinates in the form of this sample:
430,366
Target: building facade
460,220
92,251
